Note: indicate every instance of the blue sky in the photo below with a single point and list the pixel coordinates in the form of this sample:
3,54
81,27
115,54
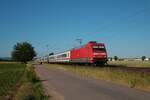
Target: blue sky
123,25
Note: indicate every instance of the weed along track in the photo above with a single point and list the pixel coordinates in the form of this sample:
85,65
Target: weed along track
144,70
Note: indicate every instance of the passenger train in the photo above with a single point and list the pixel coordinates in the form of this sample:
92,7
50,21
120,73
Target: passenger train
91,53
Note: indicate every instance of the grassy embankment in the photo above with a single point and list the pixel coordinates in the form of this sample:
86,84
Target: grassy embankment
19,82
133,80
130,63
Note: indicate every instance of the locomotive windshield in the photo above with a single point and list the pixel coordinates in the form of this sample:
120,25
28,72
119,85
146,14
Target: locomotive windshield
99,48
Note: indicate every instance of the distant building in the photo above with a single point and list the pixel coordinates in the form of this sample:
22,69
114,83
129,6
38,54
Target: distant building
147,59
128,59
111,59
137,59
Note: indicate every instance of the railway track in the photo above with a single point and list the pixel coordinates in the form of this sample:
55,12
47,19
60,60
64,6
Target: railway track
143,70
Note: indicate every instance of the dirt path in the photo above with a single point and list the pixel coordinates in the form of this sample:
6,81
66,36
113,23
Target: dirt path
62,85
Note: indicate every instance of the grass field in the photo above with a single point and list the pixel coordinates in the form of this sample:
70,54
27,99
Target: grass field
19,82
31,87
133,80
130,63
10,73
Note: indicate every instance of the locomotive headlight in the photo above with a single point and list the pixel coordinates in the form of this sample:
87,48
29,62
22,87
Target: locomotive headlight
96,54
104,54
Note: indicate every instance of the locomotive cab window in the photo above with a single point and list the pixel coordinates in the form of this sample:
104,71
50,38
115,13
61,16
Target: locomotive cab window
99,48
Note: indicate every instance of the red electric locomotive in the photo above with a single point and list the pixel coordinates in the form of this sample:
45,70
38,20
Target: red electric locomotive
91,53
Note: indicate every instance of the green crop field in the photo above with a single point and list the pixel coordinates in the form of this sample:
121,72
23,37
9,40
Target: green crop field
10,73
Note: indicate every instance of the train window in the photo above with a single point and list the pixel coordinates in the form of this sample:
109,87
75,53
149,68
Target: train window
51,58
62,55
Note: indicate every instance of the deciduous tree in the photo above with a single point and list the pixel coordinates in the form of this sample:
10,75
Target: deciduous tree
23,52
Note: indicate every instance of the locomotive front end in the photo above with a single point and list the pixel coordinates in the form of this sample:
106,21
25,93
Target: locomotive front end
99,54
